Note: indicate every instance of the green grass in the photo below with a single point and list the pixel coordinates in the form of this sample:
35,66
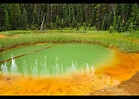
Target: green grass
10,33
126,42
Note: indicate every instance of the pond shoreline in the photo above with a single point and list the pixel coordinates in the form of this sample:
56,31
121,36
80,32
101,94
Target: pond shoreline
128,75
126,88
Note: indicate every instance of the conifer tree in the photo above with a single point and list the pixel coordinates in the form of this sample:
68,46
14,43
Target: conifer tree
118,25
24,19
7,25
15,16
114,23
2,17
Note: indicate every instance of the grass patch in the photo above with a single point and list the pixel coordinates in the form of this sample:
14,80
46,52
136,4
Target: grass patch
124,41
14,32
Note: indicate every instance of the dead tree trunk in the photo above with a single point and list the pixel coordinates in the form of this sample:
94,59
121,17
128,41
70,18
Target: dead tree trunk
42,22
51,17
113,8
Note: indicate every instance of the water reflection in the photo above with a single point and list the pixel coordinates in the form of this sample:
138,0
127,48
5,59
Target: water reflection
4,68
42,66
92,70
13,65
9,67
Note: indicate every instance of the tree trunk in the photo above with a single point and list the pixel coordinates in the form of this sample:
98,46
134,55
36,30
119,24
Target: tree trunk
51,16
42,22
113,8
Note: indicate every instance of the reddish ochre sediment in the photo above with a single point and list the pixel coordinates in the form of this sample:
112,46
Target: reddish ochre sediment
2,36
126,71
126,66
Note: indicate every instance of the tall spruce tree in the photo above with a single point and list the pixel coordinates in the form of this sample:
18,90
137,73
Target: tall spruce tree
7,25
2,17
24,23
15,16
118,24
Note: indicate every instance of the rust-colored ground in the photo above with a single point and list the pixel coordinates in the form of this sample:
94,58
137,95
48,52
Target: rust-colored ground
3,36
121,69
127,72
125,67
129,87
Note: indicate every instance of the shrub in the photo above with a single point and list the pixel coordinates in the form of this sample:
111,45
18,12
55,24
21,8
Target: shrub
111,29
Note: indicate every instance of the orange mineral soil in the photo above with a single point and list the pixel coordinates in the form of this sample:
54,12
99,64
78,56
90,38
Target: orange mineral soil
2,36
123,66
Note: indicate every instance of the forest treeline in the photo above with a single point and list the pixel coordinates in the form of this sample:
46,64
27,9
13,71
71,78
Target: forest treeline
107,16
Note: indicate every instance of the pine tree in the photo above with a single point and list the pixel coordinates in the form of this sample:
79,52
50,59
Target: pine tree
24,19
134,15
127,24
57,21
99,16
62,23
110,19
118,9
34,23
93,15
119,23
46,25
131,27
78,26
78,14
127,10
74,23
105,22
111,29
15,16
29,8
114,23
2,17
68,20
18,16
84,25
137,21
7,25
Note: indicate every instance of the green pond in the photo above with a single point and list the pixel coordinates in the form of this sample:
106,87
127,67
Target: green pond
60,59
